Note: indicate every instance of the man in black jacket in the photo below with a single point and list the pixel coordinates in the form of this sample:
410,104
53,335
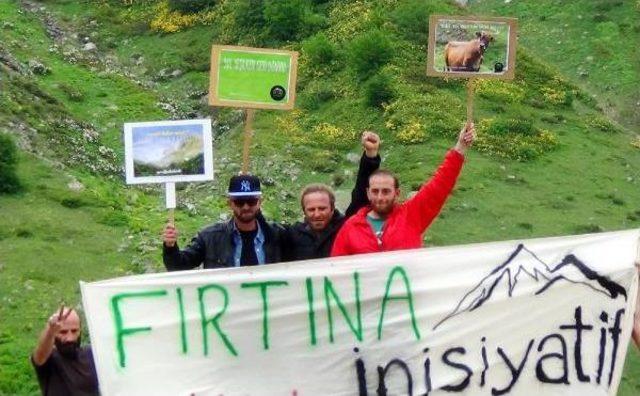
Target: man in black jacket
246,239
314,237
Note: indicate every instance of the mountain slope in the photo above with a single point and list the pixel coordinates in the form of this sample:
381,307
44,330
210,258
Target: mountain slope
548,161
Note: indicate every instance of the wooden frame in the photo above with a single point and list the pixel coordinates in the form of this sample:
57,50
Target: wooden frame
249,71
453,47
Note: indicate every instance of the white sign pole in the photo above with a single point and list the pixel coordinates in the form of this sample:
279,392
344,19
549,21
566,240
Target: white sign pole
170,199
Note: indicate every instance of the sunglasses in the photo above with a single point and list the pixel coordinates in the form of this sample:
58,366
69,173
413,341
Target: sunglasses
240,202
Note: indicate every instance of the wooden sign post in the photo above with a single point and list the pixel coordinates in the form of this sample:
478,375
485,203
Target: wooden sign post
248,134
470,88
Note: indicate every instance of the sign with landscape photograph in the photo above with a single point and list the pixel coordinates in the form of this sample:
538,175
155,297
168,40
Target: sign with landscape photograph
253,77
168,151
546,316
471,47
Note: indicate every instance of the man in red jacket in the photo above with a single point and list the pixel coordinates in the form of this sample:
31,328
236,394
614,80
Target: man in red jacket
387,225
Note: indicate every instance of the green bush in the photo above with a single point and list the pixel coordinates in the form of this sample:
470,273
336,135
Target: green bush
601,123
248,13
72,93
9,183
72,202
379,90
516,139
520,126
315,95
318,50
412,19
190,6
288,20
369,52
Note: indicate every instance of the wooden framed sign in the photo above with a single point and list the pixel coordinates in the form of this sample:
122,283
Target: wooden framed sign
168,151
470,47
254,78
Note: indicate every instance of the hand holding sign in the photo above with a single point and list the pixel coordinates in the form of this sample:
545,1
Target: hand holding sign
170,235
466,137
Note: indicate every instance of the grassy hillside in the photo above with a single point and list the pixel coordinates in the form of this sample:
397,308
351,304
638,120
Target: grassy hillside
548,160
592,42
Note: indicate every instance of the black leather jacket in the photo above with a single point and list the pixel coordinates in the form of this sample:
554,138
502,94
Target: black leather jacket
302,243
214,247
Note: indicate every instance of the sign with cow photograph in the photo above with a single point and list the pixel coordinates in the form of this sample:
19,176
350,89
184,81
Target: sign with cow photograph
471,47
168,151
254,78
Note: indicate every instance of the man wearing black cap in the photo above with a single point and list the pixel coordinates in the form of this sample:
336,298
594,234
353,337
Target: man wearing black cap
246,239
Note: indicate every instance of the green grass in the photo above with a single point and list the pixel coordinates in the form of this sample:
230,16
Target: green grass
593,42
50,240
588,182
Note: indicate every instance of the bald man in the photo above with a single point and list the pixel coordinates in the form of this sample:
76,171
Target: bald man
63,366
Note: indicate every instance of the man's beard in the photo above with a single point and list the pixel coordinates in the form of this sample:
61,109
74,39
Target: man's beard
246,216
68,350
383,209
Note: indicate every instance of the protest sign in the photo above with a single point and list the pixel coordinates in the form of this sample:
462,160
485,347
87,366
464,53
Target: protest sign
471,47
257,78
546,316
168,151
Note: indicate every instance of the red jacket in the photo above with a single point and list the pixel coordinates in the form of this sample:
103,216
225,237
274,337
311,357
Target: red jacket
407,222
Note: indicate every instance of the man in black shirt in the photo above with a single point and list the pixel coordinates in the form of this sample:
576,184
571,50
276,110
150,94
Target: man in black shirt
313,237
62,366
246,239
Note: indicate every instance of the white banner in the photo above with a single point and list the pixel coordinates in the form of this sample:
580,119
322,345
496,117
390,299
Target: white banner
546,317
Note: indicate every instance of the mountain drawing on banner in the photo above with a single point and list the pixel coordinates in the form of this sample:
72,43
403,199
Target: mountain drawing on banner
523,263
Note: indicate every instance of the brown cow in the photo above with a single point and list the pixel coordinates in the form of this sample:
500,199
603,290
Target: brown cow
466,56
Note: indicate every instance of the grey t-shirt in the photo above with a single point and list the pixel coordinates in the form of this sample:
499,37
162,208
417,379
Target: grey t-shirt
61,376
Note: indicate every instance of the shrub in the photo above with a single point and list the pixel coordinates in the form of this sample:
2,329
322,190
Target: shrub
318,50
330,135
602,124
190,6
513,139
412,19
500,91
323,161
9,182
170,21
520,126
379,90
369,52
72,202
72,93
287,20
315,95
248,13
556,96
413,118
114,219
412,133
